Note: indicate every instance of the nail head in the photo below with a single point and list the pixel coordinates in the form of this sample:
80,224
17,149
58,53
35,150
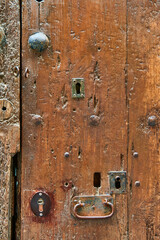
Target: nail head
137,183
152,121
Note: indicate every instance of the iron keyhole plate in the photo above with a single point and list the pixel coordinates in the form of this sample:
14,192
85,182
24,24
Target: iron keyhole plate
41,198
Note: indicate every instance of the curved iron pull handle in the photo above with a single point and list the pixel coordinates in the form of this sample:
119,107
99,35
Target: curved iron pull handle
80,204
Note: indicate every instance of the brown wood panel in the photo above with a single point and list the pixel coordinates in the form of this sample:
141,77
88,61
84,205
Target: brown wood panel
144,102
87,40
9,106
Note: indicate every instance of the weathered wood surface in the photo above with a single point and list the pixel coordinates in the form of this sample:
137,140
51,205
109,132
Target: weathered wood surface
144,102
114,46
9,105
88,40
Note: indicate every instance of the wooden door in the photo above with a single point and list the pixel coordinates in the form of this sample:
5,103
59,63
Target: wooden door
104,53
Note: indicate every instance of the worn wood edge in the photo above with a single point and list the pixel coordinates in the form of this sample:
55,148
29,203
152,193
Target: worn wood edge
10,91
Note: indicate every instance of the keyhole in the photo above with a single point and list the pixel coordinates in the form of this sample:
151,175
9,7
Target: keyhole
117,182
40,203
78,88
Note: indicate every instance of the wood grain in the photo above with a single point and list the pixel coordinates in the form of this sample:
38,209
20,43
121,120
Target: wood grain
9,104
87,40
143,96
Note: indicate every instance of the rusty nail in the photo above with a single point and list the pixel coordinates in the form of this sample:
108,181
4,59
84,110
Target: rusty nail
152,121
137,183
135,154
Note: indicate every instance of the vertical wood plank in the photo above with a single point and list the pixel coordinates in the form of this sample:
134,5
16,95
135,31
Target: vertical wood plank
88,40
9,105
144,102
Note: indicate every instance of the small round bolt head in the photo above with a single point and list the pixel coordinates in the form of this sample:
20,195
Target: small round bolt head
137,183
135,154
152,121
66,154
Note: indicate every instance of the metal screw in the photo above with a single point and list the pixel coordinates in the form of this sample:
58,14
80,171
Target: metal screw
41,214
137,183
152,121
135,154
66,154
40,194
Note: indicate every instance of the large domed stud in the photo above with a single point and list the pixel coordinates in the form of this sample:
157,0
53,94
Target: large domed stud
38,41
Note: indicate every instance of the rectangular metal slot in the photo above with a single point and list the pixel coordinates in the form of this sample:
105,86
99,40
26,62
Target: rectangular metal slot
117,180
78,88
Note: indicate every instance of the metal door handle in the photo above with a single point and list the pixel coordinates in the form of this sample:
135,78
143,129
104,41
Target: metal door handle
93,207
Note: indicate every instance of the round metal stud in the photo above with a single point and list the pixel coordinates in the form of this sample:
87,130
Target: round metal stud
137,184
152,121
94,120
38,41
135,154
66,154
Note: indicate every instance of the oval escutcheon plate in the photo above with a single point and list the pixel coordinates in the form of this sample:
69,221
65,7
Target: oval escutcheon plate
92,207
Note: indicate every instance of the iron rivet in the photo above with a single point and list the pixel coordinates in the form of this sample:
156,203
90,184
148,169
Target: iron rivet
41,214
135,154
137,183
152,121
40,194
94,120
38,41
66,154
